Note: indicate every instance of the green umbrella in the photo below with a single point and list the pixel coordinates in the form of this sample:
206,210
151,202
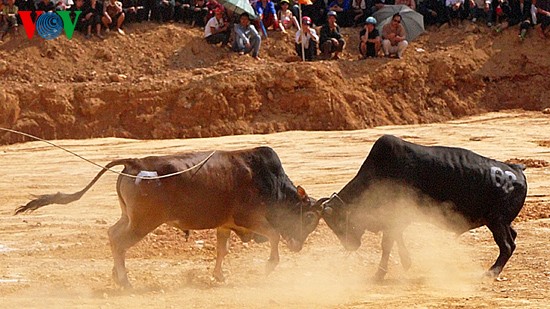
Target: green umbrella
239,7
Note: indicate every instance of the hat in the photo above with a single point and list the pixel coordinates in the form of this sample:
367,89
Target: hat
306,20
371,20
218,10
284,1
331,13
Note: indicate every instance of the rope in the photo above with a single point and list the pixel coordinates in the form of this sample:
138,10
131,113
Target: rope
108,169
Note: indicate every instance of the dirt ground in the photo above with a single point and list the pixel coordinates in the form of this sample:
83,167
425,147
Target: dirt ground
59,256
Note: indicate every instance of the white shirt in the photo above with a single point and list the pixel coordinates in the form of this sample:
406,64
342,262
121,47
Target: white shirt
305,38
212,22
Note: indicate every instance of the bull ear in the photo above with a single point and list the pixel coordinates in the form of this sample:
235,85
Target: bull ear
301,193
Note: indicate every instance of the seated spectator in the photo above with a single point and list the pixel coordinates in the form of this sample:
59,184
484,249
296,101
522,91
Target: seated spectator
393,35
199,13
306,39
456,12
113,16
212,6
378,4
409,3
25,5
82,22
267,16
543,17
344,11
9,18
360,9
46,6
165,10
370,40
434,12
331,41
131,9
183,11
286,18
93,15
63,5
217,29
247,38
502,13
315,11
517,11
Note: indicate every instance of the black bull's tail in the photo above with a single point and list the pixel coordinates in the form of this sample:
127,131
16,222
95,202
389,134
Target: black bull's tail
63,198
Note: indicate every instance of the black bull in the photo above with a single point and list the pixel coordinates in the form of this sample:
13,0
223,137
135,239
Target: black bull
466,189
244,191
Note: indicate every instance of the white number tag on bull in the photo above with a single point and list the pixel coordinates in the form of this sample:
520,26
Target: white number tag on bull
503,179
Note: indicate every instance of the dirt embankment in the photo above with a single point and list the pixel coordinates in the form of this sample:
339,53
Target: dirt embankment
166,82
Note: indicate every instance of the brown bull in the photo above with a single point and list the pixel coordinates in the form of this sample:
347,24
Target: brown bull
244,191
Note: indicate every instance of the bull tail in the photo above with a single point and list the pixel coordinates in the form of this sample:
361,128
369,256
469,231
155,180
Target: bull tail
64,198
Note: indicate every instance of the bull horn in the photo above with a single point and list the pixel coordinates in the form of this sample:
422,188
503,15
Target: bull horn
327,210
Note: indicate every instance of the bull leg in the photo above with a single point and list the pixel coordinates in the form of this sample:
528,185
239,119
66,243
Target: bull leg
123,235
222,240
403,252
504,236
266,230
387,244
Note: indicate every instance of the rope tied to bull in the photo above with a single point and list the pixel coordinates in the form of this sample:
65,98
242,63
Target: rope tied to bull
199,165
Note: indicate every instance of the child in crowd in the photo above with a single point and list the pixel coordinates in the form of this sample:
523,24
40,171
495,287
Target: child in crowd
286,18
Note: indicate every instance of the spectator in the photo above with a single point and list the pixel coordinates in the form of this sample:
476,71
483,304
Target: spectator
212,6
306,38
26,5
247,38
46,6
378,4
482,9
456,11
344,11
82,22
267,16
433,11
131,9
113,16
199,13
393,34
543,17
217,29
9,19
183,11
370,40
359,9
165,10
502,14
93,16
409,3
331,41
316,11
518,11
286,18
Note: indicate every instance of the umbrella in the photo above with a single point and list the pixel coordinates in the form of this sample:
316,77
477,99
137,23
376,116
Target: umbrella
239,7
410,19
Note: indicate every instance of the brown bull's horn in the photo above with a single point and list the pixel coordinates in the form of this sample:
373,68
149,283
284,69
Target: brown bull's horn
327,210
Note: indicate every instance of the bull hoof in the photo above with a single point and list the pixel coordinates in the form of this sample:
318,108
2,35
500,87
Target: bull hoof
270,266
406,262
219,276
492,273
379,276
121,281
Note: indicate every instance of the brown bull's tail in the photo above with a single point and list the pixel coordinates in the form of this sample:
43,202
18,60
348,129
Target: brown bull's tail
63,198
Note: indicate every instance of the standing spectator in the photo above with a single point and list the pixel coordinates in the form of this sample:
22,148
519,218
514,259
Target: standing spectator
113,16
217,29
393,34
331,41
370,40
308,38
9,13
247,38
344,11
316,11
266,16
543,17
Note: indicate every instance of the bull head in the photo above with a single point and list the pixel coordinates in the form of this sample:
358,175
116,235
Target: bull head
339,219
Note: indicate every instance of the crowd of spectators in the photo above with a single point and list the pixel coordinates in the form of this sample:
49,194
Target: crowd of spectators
317,35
